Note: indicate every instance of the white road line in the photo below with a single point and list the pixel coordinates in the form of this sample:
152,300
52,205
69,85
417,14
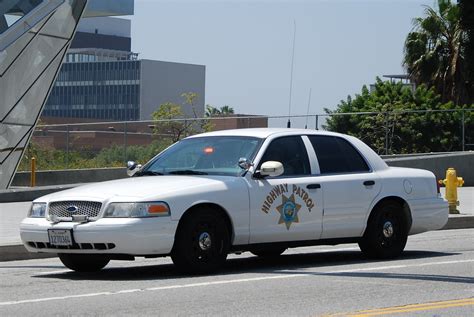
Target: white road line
245,280
161,288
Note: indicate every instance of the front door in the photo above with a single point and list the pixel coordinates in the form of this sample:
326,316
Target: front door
288,207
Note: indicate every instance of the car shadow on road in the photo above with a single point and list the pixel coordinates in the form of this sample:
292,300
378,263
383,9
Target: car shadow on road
284,264
400,276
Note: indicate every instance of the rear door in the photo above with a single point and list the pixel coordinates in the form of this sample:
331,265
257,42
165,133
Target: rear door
349,186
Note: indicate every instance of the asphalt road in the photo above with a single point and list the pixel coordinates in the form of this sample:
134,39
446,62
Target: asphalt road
434,277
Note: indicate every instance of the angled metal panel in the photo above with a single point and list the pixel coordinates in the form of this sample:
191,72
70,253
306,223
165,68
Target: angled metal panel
29,77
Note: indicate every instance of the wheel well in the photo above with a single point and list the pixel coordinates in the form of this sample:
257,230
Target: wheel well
401,202
194,209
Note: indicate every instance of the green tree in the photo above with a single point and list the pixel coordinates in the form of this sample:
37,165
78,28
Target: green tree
395,126
433,52
171,121
226,110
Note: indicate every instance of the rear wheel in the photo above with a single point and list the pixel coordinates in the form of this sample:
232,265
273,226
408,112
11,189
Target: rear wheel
387,232
202,242
84,262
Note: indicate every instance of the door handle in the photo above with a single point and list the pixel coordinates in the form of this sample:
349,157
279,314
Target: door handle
313,186
369,183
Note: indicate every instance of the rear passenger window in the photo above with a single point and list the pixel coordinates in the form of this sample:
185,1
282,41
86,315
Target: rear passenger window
336,155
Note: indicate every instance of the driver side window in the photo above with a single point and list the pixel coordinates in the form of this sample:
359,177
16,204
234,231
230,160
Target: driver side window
291,152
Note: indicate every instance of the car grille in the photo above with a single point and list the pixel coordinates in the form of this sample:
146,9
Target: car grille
59,209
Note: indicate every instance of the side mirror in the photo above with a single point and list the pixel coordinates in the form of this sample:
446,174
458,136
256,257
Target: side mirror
271,168
132,168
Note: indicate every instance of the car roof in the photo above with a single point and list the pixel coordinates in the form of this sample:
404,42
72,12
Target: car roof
264,132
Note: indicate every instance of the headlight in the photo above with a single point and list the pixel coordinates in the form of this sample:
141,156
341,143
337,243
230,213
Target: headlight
137,210
37,210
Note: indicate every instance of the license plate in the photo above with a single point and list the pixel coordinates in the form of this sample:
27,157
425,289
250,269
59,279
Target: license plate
60,237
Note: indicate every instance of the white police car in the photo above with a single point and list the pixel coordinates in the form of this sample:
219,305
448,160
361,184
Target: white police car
258,190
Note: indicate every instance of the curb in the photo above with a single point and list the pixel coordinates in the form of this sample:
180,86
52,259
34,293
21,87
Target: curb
16,252
459,222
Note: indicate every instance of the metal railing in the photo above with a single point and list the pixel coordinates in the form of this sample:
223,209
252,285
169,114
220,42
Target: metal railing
128,137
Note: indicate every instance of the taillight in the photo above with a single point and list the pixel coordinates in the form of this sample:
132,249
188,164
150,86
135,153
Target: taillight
438,186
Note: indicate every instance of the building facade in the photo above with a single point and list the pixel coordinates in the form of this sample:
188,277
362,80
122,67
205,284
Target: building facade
102,79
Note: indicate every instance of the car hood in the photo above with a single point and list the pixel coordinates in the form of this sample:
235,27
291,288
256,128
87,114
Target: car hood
141,188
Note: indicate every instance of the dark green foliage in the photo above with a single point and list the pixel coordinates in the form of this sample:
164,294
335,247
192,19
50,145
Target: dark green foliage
467,24
393,128
439,51
114,156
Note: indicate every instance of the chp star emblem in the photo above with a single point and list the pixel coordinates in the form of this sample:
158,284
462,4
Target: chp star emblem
288,211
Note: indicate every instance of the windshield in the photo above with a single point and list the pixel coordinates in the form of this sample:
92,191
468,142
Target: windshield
218,155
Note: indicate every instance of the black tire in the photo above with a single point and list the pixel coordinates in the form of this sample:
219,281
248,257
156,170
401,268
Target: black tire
387,232
84,262
268,252
202,242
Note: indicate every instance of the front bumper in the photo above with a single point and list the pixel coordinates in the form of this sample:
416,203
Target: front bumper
132,236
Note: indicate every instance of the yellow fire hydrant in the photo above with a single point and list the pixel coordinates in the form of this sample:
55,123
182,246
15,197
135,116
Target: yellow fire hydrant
452,182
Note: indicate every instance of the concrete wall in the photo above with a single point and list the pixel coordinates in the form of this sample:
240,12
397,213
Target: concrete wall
61,177
463,162
162,82
438,164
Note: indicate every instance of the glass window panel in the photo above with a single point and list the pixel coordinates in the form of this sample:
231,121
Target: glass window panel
7,56
10,136
8,168
27,69
29,106
63,22
336,155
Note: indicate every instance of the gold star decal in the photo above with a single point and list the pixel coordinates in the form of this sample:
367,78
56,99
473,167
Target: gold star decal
288,211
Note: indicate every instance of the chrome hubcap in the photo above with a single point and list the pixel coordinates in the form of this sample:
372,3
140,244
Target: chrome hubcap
388,229
205,241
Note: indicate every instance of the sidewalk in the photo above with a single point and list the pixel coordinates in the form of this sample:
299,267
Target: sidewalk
12,213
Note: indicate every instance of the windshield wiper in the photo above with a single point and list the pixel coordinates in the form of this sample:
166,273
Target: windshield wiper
187,172
148,173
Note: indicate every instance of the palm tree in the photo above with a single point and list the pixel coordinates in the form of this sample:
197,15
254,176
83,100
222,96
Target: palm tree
212,111
218,112
226,110
467,24
433,53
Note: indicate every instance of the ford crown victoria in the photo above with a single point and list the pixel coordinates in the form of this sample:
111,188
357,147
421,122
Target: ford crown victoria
257,190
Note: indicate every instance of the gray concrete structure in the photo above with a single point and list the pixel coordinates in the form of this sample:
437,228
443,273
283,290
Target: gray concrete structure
162,82
463,162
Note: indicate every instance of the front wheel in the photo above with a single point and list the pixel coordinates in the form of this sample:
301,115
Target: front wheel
387,232
202,242
84,262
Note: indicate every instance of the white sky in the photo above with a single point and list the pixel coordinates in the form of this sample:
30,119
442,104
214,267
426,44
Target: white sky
246,47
